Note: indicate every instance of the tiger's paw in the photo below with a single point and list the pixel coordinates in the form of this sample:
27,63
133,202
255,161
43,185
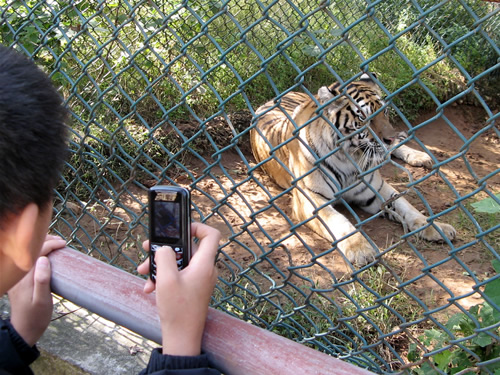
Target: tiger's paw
358,250
419,159
431,234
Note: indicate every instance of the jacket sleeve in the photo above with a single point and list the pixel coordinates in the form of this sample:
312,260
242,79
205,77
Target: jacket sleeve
160,364
15,354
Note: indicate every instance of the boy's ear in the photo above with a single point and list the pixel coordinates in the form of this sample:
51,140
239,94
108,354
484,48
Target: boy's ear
16,237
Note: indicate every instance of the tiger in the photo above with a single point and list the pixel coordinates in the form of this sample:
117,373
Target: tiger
325,149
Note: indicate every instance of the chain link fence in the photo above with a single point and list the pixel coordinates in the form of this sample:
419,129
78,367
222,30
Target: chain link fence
165,92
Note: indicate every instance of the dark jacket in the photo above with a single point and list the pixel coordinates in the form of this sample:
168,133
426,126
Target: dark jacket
160,364
16,356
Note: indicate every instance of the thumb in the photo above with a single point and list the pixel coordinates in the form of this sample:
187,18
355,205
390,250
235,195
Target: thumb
166,264
41,279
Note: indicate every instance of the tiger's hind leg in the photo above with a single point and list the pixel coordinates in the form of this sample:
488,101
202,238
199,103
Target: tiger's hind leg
332,225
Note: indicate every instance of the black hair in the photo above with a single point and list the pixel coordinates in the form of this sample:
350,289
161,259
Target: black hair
33,134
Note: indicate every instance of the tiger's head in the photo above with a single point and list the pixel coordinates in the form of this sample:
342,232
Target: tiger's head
354,131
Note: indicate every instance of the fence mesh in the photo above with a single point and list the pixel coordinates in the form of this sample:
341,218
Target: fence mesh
165,92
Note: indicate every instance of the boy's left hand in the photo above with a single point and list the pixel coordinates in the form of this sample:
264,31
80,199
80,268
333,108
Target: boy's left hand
31,298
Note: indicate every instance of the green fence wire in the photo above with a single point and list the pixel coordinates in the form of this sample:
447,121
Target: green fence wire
165,92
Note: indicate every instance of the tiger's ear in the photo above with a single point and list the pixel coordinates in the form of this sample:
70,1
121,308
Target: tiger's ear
325,95
366,77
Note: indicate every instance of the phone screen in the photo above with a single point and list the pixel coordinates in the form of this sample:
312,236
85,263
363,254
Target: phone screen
170,223
167,221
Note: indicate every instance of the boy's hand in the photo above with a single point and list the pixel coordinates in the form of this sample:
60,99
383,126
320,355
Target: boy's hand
31,299
183,296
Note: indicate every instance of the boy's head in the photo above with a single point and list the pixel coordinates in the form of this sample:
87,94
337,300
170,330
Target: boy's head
33,147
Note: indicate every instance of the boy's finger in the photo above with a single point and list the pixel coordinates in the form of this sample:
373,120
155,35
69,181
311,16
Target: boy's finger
166,264
143,268
203,231
208,245
41,286
149,286
42,271
52,244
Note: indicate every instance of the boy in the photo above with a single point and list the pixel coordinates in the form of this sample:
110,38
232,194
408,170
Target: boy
33,146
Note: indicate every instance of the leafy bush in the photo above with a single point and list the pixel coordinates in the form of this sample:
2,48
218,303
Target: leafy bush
469,338
487,205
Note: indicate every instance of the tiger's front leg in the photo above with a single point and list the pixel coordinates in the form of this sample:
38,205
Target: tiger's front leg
332,225
410,216
413,157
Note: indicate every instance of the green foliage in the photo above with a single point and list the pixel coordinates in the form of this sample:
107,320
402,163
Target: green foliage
486,213
477,333
106,51
487,205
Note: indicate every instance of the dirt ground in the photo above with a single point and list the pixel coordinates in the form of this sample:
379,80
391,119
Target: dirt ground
260,255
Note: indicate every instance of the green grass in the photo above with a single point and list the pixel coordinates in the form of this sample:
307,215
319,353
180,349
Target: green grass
346,319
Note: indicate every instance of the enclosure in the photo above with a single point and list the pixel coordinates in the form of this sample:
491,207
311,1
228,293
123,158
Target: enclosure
165,92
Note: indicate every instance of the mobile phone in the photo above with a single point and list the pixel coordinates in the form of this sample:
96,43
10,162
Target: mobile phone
169,223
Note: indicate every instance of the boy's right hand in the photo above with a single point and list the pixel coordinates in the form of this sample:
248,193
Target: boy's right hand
182,297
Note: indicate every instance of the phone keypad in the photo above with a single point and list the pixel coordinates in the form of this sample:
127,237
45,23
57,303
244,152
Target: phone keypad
178,253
